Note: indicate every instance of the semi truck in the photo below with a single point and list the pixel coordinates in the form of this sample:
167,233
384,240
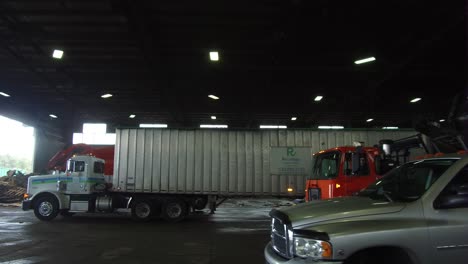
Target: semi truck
345,170
170,173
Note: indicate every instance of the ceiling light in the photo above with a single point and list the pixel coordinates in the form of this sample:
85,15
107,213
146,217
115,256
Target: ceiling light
214,97
57,54
132,116
442,120
272,127
361,61
106,95
369,120
53,116
4,94
415,100
213,117
153,125
318,98
390,127
293,118
214,56
213,126
331,127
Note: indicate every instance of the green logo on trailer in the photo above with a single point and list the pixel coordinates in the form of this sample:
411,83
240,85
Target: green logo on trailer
291,152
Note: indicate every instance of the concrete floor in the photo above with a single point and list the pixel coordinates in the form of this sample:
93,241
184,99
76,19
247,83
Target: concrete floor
233,235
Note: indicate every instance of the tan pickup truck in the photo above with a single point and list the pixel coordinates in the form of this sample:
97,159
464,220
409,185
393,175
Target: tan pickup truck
417,213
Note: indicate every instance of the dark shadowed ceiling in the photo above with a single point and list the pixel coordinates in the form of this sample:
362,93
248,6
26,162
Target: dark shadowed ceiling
275,57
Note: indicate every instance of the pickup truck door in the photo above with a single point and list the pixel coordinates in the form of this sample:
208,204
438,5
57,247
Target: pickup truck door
448,227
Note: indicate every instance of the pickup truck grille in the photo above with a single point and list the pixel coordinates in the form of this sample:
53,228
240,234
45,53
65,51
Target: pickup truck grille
279,238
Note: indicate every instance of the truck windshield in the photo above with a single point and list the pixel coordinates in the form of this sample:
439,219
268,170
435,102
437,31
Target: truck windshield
408,182
326,166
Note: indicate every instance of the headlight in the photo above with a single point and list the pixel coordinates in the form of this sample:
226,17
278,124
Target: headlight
313,248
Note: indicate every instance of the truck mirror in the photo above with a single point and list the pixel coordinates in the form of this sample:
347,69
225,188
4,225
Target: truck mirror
347,169
355,162
378,165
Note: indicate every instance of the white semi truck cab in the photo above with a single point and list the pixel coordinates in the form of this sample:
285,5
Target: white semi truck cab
82,188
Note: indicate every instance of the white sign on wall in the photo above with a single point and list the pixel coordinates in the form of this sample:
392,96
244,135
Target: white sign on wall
291,160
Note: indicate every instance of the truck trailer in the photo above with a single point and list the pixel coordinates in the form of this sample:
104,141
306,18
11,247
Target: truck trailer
169,173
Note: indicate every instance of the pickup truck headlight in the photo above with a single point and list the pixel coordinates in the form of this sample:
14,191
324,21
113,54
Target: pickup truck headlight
316,249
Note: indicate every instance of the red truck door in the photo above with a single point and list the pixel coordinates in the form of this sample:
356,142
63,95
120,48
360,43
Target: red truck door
362,175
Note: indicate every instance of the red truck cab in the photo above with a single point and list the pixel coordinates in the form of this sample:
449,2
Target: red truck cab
342,171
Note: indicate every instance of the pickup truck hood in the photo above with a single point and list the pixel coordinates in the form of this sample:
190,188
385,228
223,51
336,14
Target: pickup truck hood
338,208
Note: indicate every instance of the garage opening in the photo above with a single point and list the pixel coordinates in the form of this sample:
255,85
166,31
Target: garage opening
16,147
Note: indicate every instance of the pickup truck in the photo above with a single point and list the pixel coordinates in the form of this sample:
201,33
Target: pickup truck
416,213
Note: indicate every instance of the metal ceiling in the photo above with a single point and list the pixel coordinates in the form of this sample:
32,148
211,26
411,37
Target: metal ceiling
275,57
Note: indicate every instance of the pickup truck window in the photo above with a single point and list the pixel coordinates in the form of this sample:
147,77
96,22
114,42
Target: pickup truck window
455,194
408,182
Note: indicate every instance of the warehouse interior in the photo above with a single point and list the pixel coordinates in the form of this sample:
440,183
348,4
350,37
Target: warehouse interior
291,64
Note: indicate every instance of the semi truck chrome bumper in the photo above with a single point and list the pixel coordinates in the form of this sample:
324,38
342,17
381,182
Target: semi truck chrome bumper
272,258
27,205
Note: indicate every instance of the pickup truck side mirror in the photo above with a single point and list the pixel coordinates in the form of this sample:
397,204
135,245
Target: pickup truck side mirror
451,201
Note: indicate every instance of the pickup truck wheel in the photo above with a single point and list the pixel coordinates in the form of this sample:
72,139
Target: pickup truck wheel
46,208
174,210
142,210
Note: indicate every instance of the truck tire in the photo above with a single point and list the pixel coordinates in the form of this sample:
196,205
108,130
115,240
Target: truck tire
174,210
199,203
46,208
142,210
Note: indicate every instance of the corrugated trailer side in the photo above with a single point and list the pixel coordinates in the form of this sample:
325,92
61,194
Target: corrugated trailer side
219,162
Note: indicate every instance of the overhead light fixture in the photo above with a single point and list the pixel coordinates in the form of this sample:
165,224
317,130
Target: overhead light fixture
330,127
213,117
53,116
214,97
415,100
153,125
4,94
361,61
272,127
57,54
442,120
318,98
214,56
293,118
213,126
132,116
106,95
390,127
369,120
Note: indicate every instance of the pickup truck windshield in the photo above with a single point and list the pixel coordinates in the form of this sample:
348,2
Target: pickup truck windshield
407,182
326,166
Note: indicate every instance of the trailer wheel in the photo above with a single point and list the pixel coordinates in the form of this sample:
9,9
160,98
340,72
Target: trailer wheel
46,208
199,203
174,210
142,210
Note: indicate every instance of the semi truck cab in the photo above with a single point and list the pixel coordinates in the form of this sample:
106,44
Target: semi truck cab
76,190
342,171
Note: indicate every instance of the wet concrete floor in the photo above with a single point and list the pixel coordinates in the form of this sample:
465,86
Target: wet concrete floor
232,235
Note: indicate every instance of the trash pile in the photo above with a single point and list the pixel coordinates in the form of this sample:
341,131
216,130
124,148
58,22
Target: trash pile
13,186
